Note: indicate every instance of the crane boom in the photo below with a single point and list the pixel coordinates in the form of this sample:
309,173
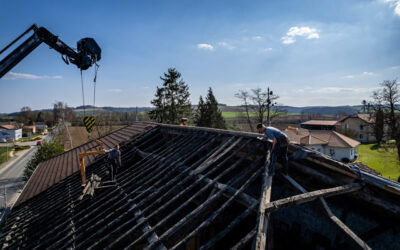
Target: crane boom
88,51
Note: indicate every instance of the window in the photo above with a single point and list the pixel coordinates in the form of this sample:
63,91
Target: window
331,151
361,136
346,125
361,127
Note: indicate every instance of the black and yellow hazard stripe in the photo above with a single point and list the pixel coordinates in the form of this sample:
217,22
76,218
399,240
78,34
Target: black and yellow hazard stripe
89,122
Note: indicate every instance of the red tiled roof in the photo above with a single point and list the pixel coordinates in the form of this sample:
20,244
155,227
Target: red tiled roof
9,127
321,137
60,167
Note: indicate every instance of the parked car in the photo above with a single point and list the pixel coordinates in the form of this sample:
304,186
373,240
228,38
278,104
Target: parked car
38,143
3,140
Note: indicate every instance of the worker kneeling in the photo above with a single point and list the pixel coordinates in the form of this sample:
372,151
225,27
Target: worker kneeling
280,143
114,158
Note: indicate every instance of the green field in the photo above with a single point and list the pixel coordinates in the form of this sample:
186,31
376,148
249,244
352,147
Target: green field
243,114
384,161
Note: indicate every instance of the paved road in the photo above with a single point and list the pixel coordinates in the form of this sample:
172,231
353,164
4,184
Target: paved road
11,175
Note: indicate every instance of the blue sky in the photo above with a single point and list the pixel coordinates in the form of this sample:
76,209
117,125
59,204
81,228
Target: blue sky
311,52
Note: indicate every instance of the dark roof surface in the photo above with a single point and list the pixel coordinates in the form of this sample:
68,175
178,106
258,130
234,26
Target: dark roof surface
190,188
58,168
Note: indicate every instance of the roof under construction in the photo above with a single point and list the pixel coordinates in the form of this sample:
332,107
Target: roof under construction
186,187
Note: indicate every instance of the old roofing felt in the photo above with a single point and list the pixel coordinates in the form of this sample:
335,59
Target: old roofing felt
321,137
321,122
191,188
58,168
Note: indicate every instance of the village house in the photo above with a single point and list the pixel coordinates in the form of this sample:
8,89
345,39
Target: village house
28,130
360,125
41,128
10,132
328,142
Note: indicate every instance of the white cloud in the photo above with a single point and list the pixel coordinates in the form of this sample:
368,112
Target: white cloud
14,76
365,73
226,45
395,67
288,40
305,31
205,46
115,90
256,38
336,90
394,4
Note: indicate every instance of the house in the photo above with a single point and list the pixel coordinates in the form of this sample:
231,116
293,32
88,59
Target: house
41,128
320,124
186,187
28,130
360,125
328,142
10,132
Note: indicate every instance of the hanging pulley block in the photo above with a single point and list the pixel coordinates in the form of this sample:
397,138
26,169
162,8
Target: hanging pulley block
89,122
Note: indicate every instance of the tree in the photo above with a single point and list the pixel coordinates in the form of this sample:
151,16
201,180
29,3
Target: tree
25,115
172,99
364,105
389,97
208,113
245,98
61,112
261,103
46,151
201,113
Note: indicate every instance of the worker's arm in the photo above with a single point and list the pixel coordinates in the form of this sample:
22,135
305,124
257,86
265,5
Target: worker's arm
119,160
274,141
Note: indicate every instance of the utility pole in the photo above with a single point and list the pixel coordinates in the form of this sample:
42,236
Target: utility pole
269,104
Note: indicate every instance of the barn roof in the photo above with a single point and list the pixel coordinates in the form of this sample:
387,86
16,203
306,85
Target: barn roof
56,169
185,187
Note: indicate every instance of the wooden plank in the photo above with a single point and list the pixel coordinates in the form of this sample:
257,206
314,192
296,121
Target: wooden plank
263,215
332,217
245,240
307,197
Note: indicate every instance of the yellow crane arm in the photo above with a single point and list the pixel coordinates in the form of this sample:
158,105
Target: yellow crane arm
100,150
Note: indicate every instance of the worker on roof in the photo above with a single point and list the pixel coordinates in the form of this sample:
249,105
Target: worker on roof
184,122
280,142
114,157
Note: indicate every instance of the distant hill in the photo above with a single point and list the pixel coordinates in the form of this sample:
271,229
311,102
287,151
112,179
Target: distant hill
324,110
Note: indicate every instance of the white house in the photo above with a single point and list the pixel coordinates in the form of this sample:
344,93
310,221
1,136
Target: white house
328,142
10,132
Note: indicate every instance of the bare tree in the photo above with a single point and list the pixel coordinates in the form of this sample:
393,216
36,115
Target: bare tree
245,98
389,97
260,103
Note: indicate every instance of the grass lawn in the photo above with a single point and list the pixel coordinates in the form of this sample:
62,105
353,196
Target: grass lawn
384,161
3,154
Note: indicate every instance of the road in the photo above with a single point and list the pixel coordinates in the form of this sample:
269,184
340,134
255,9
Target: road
11,176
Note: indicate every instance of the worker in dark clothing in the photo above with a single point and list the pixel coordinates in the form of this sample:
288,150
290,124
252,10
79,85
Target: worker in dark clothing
280,143
114,157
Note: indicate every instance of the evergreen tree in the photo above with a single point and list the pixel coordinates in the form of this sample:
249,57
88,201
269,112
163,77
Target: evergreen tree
200,115
171,100
208,114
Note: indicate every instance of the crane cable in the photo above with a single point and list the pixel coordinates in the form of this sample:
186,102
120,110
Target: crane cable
83,95
89,121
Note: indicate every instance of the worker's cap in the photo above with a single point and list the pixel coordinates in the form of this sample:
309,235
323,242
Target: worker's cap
184,119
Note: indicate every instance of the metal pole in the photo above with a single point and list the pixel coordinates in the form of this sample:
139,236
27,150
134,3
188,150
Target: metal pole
268,105
5,197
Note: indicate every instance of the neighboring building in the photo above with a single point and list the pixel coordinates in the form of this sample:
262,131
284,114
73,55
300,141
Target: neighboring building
41,128
360,125
28,130
328,142
320,124
10,132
